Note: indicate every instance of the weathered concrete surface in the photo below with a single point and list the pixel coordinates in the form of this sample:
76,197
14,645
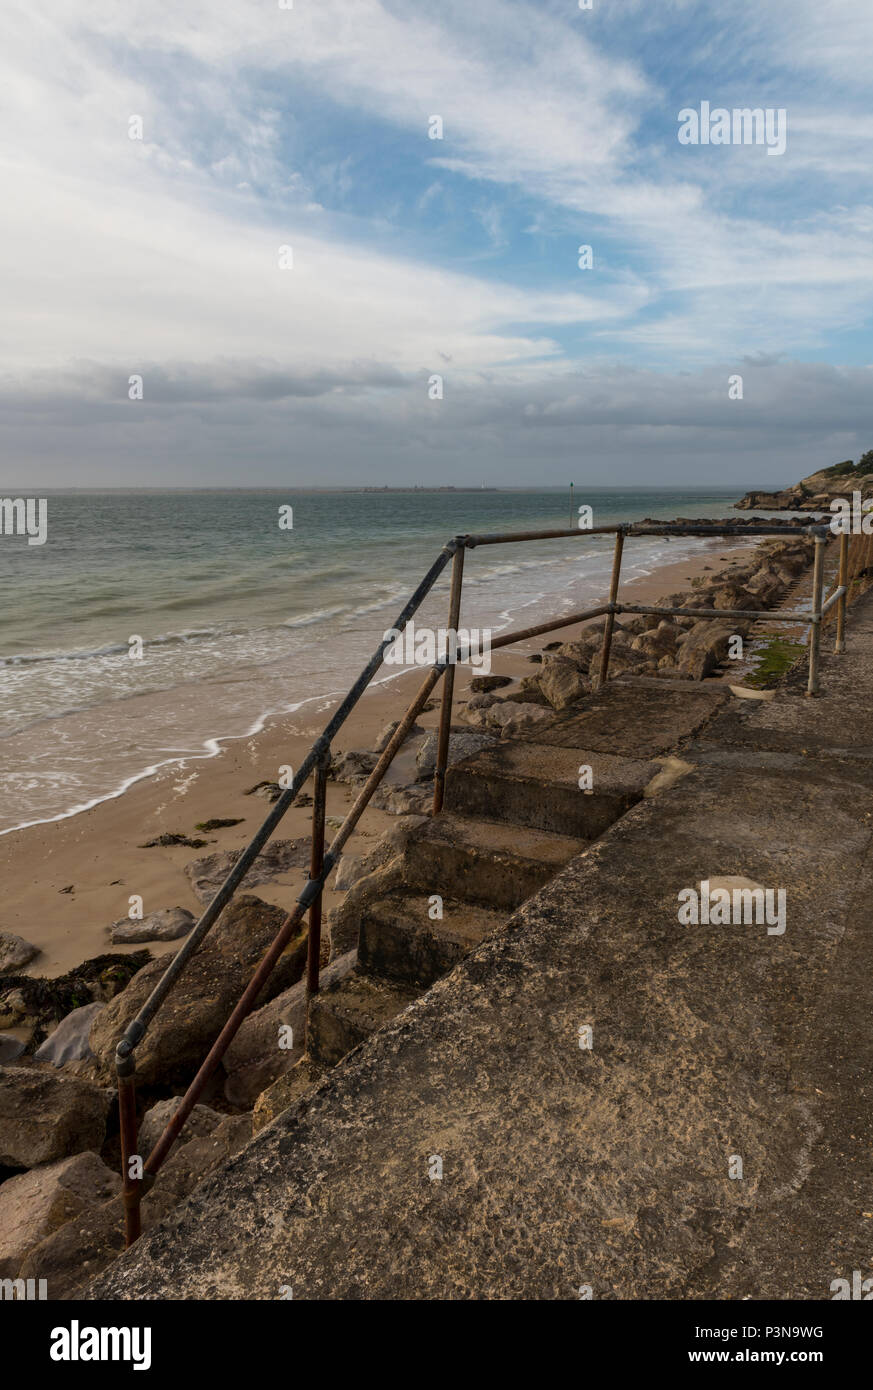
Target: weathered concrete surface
488,862
537,785
610,1167
401,941
345,1014
634,719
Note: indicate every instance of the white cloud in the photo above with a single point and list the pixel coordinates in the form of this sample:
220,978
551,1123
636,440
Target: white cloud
161,256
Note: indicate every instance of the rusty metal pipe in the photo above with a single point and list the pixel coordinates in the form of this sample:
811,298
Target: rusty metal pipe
834,598
131,1190
610,616
397,739
523,634
736,531
753,613
227,1034
316,864
442,756
843,581
812,687
507,537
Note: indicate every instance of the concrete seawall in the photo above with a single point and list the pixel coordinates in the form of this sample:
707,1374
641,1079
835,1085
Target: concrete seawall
607,1167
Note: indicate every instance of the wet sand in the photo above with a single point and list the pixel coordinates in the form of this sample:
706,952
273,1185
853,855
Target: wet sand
97,853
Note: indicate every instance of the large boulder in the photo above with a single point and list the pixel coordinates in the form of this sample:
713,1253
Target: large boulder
706,646
69,1041
351,868
33,1205
511,718
766,586
580,652
622,658
44,1117
355,765
734,596
415,800
462,744
530,691
385,737
202,1121
199,1004
72,1256
167,924
475,711
561,681
11,1047
659,642
15,952
206,875
484,684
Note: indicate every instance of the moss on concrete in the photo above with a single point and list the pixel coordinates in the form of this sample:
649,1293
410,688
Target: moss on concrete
774,657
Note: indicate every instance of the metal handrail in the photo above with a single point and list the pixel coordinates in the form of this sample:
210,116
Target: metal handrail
317,761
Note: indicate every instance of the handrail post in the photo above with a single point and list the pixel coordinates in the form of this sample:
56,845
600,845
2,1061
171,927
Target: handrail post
843,580
316,863
610,617
132,1187
812,687
445,729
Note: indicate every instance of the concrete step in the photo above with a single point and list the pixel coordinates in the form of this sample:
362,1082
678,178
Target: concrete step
398,940
287,1091
482,861
346,1014
637,720
537,785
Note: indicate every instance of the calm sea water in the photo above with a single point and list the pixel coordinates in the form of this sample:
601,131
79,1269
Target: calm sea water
240,620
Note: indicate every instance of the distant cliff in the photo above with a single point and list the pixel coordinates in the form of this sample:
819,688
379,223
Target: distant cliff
816,492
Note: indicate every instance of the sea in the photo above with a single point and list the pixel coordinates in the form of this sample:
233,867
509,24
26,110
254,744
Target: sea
239,618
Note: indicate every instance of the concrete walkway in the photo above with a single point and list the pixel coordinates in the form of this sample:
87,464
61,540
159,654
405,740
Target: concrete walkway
608,1167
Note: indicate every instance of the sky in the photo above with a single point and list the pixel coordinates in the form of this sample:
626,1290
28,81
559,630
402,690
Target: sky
315,289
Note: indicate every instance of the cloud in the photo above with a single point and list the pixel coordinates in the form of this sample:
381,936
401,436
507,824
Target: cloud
161,257
603,422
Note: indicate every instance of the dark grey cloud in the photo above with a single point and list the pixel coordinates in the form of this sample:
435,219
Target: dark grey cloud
250,423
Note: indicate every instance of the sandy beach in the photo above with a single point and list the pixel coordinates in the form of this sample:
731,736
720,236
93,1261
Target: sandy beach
65,882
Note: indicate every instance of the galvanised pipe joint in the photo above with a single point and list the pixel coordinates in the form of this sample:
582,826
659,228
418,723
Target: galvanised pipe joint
133,1034
125,1063
313,887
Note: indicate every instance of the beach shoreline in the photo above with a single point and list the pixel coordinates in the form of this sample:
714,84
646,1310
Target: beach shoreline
67,880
